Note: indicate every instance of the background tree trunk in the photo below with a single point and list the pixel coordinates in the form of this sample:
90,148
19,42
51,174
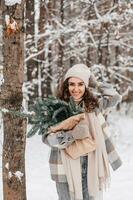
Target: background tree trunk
11,98
31,65
41,45
0,40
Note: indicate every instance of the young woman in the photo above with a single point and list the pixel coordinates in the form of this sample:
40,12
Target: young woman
83,177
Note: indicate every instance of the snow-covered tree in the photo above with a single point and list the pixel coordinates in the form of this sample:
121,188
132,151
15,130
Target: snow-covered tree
11,97
97,33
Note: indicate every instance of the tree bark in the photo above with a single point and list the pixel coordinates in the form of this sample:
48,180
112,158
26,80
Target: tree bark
0,39
41,45
31,65
49,57
14,187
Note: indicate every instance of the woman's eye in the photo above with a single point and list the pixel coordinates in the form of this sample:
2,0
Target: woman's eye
81,84
71,84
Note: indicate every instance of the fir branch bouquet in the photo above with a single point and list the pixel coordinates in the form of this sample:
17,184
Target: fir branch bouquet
50,112
46,113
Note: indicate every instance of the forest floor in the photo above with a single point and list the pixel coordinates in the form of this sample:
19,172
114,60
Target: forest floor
41,187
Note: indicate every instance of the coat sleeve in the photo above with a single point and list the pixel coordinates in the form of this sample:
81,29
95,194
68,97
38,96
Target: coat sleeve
62,139
109,96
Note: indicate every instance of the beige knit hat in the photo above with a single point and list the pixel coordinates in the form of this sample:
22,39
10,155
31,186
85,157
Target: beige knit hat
80,71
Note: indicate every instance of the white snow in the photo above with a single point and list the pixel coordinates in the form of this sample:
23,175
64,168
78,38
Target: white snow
12,2
10,174
19,175
7,19
7,166
40,186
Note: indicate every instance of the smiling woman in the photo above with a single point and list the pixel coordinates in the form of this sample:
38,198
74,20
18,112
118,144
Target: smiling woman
75,84
80,157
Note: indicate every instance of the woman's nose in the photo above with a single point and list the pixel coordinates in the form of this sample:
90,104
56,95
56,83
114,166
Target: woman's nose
76,88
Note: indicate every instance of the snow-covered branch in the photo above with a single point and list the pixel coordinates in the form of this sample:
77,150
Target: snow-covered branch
12,2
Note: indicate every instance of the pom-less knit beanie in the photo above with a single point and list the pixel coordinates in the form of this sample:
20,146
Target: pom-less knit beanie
80,71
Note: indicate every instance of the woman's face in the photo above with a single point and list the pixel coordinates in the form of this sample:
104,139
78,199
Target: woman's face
76,88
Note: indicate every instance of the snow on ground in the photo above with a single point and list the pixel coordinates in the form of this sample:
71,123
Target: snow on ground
40,186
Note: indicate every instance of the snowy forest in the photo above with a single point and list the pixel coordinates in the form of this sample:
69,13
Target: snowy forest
39,41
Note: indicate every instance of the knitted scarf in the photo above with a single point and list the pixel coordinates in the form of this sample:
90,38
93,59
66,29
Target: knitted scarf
98,166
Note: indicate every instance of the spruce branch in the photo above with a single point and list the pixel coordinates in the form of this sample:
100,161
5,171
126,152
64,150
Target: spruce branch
46,113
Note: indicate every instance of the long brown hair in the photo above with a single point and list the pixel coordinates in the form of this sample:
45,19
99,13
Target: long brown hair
90,101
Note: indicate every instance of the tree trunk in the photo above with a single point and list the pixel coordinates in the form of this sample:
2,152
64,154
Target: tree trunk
41,45
0,40
31,65
14,187
47,90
